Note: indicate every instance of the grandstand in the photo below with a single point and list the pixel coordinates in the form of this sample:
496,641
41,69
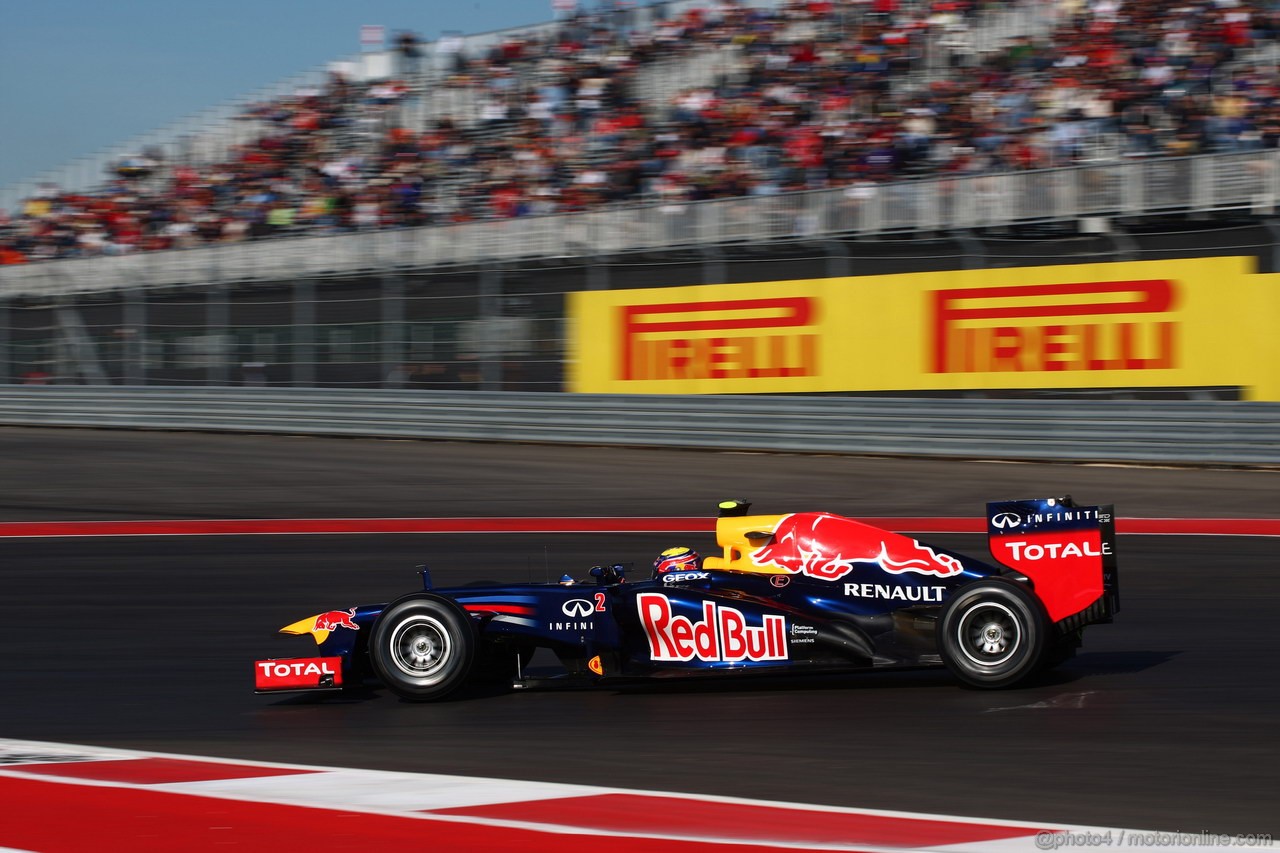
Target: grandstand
482,96
202,139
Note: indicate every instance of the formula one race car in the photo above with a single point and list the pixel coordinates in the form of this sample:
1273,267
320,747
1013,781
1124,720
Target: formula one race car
807,592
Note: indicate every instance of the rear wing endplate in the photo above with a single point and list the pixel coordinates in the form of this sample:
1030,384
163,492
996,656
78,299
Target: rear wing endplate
1068,552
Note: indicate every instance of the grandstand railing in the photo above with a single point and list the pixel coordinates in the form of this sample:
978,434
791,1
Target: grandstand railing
1210,183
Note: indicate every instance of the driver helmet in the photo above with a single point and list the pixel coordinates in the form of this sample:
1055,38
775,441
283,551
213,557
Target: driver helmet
677,559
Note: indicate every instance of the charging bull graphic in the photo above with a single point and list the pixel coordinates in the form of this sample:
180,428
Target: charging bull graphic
826,547
334,619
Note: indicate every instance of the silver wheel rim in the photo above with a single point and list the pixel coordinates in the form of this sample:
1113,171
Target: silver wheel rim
988,634
420,648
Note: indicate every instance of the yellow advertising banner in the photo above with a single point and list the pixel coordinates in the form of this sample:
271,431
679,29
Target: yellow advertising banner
1183,323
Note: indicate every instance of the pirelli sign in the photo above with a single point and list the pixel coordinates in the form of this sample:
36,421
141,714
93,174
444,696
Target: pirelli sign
1088,326
1189,323
721,339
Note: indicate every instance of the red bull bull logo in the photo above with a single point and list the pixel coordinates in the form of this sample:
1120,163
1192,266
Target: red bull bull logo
336,619
827,547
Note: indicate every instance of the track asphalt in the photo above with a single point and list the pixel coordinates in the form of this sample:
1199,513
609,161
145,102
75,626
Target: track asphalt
1166,720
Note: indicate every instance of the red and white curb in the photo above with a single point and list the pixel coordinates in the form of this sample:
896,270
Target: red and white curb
60,797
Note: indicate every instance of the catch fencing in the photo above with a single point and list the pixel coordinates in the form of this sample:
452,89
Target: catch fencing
1164,432
490,327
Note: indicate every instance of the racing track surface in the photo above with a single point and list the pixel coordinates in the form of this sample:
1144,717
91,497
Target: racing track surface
1166,720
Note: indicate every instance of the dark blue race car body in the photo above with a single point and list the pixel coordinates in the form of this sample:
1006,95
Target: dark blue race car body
796,593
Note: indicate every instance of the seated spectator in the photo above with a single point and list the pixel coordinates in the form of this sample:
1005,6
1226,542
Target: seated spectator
811,94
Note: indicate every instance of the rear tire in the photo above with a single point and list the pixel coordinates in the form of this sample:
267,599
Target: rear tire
992,634
422,647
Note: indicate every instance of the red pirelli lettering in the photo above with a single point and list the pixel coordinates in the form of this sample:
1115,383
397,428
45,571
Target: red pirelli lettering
969,338
669,340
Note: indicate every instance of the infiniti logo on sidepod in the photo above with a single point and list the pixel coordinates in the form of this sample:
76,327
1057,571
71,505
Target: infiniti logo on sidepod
1005,520
578,607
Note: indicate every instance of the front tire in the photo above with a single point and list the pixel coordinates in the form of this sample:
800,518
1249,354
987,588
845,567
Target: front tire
422,647
992,634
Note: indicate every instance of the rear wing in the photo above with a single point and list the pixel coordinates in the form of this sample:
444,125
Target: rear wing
1068,553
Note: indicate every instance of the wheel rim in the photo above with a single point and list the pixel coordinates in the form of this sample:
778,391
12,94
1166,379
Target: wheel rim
989,634
420,648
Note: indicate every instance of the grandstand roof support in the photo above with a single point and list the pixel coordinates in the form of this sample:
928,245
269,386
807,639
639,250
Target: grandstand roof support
974,252
6,361
490,282
134,330
713,269
303,334
837,258
598,272
77,356
1127,248
392,329
1273,228
217,321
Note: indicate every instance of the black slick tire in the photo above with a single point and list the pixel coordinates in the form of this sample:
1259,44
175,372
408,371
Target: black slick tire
422,647
993,634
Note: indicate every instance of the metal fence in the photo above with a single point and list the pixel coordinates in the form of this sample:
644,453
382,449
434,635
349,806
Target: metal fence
1167,432
491,326
1248,182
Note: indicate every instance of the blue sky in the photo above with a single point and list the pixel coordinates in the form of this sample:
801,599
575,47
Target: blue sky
78,76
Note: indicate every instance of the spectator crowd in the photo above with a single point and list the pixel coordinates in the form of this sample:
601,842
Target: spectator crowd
810,94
